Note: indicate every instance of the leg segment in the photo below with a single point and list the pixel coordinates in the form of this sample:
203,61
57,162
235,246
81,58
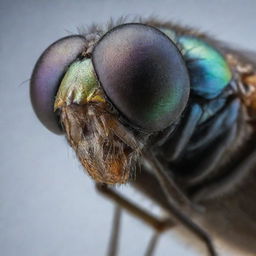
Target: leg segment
152,244
114,239
210,163
175,211
158,224
182,134
225,182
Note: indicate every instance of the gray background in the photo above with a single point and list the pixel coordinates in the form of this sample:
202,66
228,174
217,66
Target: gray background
48,206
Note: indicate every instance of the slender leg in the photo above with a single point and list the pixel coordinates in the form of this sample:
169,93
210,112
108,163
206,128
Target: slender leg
158,224
114,239
152,244
221,184
169,187
211,161
175,211
219,123
183,133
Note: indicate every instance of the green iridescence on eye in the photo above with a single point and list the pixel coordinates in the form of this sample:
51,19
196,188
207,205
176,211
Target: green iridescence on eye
208,69
164,105
78,85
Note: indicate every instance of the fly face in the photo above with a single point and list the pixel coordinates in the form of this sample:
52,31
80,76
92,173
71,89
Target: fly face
134,73
169,101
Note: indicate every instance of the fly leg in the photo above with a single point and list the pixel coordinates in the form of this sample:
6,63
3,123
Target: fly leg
171,206
159,225
114,239
174,147
220,185
152,244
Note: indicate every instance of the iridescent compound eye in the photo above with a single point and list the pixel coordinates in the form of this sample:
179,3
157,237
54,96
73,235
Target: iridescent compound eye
47,75
143,74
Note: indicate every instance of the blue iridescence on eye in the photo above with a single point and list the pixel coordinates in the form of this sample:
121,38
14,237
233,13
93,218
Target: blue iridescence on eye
209,71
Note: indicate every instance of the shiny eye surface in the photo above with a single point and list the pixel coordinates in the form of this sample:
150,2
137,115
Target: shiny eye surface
47,75
143,74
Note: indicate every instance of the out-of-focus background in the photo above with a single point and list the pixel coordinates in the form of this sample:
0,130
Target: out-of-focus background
48,206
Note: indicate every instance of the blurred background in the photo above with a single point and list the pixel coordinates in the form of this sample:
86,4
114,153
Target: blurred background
48,206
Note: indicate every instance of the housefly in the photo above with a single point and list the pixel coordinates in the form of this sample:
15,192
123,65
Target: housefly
169,110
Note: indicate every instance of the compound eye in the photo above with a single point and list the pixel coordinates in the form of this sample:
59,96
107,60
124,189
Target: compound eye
47,75
143,74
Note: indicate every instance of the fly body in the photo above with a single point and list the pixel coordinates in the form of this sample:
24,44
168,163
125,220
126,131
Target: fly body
172,103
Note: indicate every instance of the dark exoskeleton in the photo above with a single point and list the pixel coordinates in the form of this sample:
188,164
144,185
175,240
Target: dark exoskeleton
175,105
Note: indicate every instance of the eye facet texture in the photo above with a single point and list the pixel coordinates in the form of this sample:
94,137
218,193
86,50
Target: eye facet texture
143,74
47,75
